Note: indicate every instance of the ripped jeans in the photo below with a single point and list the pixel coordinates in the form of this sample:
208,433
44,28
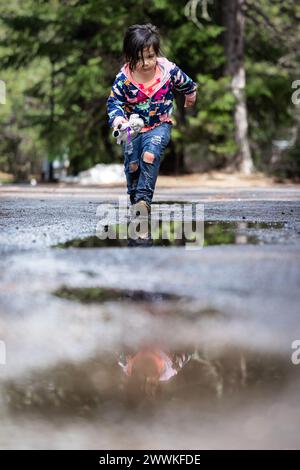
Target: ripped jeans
142,157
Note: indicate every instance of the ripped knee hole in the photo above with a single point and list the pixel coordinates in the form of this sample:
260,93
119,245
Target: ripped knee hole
133,167
148,157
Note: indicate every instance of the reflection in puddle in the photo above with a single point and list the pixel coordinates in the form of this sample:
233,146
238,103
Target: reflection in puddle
151,370
174,233
124,380
151,374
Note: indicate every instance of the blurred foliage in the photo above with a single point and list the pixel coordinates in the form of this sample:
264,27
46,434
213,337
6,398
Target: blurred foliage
58,59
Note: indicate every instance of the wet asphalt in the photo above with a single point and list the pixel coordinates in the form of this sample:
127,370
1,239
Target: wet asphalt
255,288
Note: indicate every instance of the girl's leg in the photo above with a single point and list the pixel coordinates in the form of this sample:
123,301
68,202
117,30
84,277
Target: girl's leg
131,153
153,144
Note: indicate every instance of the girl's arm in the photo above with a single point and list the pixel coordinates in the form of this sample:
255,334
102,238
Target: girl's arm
115,104
184,84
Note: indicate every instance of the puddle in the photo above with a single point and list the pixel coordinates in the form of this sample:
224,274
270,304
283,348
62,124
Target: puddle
176,233
122,379
150,380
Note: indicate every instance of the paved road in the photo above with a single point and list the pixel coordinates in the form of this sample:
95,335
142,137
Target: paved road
238,307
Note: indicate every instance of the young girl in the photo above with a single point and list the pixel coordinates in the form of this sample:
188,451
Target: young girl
144,86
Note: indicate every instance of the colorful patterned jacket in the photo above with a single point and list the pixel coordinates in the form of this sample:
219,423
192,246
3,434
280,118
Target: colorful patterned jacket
154,105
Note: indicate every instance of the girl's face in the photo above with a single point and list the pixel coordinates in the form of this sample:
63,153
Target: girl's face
149,60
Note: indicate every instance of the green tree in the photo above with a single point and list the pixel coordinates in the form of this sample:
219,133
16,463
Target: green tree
59,59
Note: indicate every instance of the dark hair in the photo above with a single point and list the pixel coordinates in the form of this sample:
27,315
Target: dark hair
137,38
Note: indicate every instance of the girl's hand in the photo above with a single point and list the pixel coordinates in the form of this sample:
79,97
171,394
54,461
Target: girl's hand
190,100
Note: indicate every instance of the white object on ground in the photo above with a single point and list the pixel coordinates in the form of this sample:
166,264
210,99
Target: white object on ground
103,173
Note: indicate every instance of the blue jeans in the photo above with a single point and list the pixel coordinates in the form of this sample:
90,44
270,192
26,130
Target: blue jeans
142,157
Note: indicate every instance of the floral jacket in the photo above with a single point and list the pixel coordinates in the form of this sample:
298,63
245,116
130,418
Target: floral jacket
155,104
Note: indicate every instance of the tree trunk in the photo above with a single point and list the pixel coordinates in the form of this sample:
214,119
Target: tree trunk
234,22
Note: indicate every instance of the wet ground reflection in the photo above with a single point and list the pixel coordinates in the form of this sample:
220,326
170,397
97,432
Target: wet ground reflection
174,233
154,373
126,379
